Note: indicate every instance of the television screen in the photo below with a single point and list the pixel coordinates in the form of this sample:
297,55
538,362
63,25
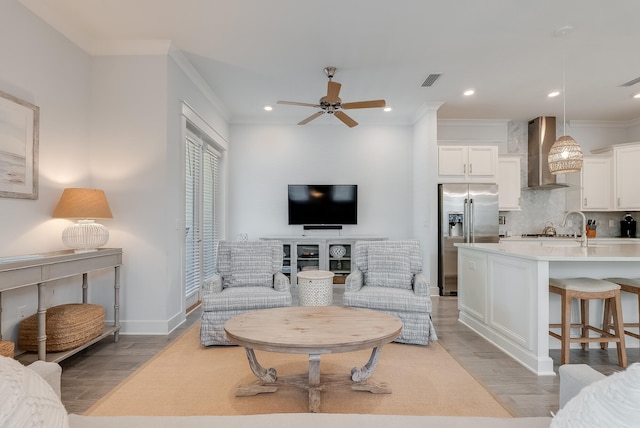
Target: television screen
335,204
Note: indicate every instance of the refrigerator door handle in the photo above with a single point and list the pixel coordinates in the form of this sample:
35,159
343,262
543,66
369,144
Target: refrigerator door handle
465,223
472,235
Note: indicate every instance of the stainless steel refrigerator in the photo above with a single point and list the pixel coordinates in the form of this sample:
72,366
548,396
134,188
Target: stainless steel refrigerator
467,212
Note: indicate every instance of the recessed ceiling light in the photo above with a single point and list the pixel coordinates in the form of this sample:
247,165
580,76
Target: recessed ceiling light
387,109
637,95
268,108
553,94
469,92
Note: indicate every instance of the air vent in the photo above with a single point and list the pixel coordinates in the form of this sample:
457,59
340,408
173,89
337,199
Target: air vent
431,79
631,82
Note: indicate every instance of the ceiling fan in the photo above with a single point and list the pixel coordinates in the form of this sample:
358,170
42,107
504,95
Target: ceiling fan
332,104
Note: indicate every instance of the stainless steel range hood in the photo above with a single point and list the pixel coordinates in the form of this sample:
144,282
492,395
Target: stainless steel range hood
542,135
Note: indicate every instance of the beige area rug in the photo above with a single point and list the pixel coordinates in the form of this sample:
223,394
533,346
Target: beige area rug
189,379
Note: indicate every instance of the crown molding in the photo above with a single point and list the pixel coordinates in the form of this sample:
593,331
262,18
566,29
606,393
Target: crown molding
473,122
425,109
603,123
196,78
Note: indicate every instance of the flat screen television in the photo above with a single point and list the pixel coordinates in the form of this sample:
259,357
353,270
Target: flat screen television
323,204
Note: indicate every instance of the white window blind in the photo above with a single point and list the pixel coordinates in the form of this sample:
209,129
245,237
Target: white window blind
209,224
201,226
193,257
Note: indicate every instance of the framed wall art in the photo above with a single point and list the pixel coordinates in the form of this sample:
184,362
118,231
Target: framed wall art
19,132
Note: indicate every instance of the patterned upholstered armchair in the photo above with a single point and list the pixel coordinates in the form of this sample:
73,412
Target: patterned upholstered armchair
248,277
388,277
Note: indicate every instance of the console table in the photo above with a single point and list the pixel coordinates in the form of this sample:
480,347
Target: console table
39,269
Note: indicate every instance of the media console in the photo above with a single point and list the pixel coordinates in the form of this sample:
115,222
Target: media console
302,253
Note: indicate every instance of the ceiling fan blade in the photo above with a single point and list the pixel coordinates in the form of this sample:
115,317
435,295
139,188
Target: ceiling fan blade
293,103
333,90
310,118
346,119
365,104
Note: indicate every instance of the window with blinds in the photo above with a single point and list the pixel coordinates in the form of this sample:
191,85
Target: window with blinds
201,237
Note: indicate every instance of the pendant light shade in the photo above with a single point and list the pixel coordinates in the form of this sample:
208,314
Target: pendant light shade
565,156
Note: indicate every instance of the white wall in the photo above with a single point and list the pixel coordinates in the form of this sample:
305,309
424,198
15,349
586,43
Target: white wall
129,158
264,159
425,192
111,122
42,67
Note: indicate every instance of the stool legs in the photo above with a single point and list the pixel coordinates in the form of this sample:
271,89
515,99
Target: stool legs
613,310
618,328
607,322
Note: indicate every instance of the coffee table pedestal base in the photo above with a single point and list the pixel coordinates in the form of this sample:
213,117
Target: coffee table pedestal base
313,382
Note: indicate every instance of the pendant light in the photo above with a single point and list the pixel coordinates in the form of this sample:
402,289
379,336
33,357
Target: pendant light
565,155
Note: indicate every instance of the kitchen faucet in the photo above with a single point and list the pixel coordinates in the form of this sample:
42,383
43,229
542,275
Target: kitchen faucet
584,240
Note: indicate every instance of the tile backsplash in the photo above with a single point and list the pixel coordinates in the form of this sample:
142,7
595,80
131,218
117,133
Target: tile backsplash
542,206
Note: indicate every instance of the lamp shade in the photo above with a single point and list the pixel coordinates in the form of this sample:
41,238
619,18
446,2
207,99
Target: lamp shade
82,203
565,156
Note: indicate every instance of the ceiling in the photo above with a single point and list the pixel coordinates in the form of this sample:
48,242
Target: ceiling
253,53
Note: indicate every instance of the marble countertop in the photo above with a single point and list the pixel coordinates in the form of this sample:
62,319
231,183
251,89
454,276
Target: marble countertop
605,239
562,250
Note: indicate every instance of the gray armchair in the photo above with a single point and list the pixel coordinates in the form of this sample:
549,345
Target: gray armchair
388,278
248,277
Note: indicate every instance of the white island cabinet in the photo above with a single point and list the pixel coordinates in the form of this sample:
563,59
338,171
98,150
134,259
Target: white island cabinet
503,292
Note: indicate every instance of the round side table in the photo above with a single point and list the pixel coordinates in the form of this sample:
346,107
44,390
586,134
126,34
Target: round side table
316,287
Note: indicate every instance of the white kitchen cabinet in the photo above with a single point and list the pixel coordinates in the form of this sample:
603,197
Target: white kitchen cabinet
595,182
509,187
461,163
626,161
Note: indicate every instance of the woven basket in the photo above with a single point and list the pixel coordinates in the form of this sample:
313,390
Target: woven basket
68,326
6,348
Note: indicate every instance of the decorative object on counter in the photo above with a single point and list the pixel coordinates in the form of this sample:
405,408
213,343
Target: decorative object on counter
591,228
565,155
85,205
628,227
549,230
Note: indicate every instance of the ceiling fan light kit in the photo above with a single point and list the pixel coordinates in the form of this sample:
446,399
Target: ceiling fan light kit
332,104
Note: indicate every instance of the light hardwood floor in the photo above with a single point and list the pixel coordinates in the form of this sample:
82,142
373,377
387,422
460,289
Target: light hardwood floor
92,373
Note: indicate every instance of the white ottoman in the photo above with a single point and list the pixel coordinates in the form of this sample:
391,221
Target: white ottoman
316,287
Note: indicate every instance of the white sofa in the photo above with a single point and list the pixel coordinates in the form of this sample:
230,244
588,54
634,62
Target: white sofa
573,378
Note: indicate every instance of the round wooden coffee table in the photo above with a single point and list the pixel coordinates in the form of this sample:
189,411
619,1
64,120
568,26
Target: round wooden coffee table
313,330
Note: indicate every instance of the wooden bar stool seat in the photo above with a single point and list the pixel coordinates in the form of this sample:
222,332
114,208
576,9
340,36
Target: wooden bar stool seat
586,289
628,285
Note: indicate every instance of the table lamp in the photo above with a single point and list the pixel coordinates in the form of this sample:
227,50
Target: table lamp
84,205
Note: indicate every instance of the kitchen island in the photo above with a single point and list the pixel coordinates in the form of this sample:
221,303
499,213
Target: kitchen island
503,292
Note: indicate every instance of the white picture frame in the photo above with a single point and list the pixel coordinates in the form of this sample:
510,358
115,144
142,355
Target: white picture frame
19,135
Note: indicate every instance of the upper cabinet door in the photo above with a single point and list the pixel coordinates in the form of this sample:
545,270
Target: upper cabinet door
597,184
467,164
626,164
483,161
509,187
452,161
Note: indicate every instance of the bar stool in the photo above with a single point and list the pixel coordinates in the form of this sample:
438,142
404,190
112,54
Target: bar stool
586,289
629,285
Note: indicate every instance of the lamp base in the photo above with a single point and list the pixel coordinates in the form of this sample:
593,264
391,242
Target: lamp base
85,235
